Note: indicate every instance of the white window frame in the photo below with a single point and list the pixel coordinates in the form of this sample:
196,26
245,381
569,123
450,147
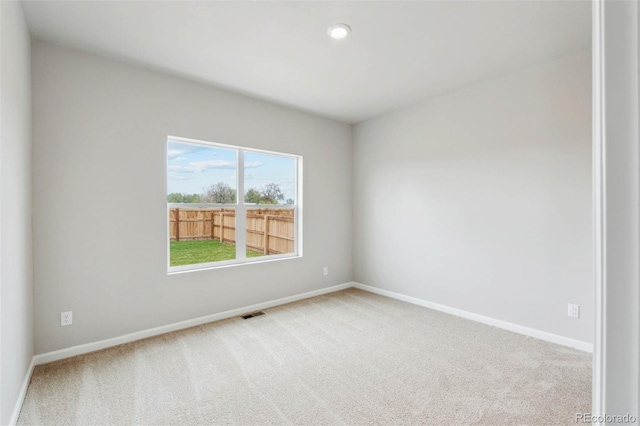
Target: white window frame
241,211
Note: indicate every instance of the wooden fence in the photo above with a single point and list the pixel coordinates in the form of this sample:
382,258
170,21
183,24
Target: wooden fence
269,231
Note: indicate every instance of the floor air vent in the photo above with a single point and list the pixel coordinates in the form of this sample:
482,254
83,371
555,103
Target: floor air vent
252,314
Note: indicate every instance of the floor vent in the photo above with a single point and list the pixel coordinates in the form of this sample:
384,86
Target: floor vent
253,314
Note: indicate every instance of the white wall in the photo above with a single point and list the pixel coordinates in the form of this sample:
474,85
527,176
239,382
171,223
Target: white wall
16,311
99,135
616,373
481,199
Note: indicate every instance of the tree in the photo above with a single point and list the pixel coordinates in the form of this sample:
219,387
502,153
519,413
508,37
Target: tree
271,193
289,200
252,196
176,197
220,193
193,198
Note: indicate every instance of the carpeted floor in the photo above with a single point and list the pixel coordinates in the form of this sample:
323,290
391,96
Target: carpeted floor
345,358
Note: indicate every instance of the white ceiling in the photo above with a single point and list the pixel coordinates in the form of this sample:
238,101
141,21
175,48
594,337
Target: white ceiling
398,53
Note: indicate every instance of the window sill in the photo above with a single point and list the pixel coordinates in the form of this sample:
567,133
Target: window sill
176,270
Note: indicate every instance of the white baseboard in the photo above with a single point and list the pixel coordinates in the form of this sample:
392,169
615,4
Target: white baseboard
532,332
143,334
22,394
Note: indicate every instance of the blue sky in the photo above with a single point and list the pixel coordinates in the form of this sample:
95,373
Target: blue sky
191,168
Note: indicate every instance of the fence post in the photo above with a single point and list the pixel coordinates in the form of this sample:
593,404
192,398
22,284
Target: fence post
177,224
221,226
213,225
266,234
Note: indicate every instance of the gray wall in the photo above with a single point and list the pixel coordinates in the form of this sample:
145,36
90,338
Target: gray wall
99,133
481,199
16,301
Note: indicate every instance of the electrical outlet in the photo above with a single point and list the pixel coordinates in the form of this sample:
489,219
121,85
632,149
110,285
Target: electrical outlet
573,310
66,318
325,271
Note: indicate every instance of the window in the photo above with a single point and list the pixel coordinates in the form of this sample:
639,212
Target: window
229,205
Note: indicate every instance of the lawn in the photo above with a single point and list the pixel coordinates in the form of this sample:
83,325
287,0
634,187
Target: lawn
192,252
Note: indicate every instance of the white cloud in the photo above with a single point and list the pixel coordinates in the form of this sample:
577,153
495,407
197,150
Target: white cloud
173,154
181,169
200,166
180,177
212,164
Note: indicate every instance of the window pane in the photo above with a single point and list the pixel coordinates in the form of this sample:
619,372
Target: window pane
202,198
269,178
201,235
270,231
201,174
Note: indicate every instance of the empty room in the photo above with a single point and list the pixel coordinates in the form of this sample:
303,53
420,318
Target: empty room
319,212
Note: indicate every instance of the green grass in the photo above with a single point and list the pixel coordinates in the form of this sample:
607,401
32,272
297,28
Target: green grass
193,252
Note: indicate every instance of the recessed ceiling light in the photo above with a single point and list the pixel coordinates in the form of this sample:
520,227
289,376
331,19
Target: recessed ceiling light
339,31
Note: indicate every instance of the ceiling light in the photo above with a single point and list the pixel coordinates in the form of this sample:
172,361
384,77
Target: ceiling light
338,31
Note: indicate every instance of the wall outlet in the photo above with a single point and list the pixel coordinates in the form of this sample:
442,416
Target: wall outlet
325,271
573,310
66,318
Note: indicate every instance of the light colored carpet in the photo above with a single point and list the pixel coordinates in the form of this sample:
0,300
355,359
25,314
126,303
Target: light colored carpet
345,358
